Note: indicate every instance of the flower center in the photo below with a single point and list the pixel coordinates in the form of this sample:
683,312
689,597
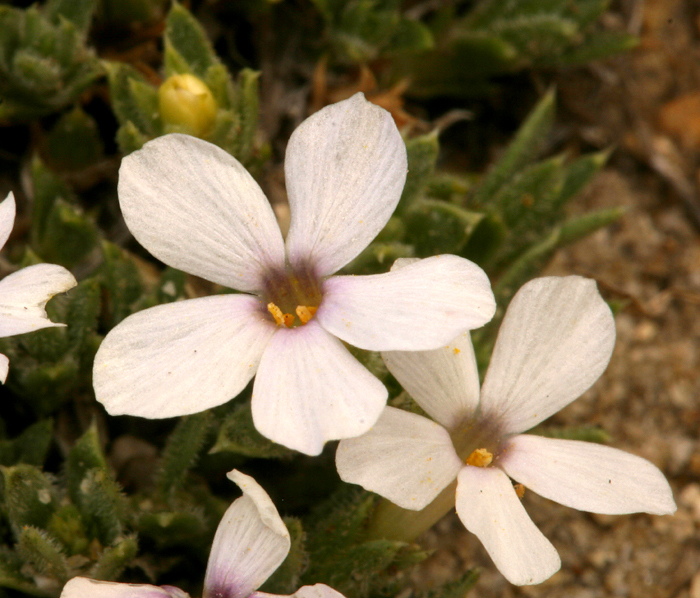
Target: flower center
292,296
481,457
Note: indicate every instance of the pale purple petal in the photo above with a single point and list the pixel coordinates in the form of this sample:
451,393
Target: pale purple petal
7,217
345,170
181,358
318,590
250,543
23,297
197,209
418,307
310,389
587,476
554,343
405,458
4,367
489,508
82,587
444,381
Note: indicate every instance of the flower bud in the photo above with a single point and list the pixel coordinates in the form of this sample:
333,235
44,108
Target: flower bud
187,103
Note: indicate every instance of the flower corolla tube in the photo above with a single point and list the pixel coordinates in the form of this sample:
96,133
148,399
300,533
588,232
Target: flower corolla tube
555,341
24,293
195,207
249,545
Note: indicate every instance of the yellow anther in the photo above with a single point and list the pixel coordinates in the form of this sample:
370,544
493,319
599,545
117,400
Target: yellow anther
519,490
305,313
281,319
480,458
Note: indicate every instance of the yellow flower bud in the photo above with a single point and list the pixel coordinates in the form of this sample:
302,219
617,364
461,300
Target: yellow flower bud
187,103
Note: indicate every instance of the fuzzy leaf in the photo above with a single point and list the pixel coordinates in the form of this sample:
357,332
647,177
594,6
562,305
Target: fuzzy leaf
37,547
114,559
29,496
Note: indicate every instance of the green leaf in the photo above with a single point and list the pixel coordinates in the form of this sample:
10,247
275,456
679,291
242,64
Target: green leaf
30,447
422,153
182,451
66,525
44,553
29,496
454,589
74,141
174,528
133,100
11,575
238,435
120,278
286,579
114,559
93,490
523,149
185,40
78,12
435,227
378,257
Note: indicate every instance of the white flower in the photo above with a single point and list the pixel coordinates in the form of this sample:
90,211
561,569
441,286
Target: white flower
23,294
555,341
197,209
250,544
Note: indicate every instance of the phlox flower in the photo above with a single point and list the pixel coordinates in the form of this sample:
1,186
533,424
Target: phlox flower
23,294
197,209
555,341
250,543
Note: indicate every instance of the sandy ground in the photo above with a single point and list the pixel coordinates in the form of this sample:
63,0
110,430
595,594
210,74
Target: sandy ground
647,103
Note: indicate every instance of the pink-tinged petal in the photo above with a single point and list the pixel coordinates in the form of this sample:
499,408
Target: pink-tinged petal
82,587
345,170
310,389
444,381
406,458
587,476
418,307
250,543
489,508
4,367
554,343
318,590
23,297
196,208
181,358
7,218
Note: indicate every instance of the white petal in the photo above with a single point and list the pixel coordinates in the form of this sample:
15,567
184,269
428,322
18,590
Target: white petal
82,587
554,343
421,306
7,218
310,389
405,458
490,509
444,381
345,170
250,543
182,357
587,476
23,297
4,367
318,590
197,209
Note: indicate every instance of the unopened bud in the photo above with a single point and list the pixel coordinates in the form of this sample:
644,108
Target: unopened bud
186,102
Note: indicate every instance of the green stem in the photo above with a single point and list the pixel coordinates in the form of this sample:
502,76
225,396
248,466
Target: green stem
390,522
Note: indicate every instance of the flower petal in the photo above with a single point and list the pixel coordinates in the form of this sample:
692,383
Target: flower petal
81,587
587,476
23,297
420,306
197,209
489,508
250,543
444,381
554,343
4,367
405,458
318,590
345,170
310,389
7,217
182,357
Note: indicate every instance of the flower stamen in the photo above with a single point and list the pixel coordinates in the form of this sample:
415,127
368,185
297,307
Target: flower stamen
281,319
519,490
305,312
480,458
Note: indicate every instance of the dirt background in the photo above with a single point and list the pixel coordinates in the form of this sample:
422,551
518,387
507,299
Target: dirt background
646,104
